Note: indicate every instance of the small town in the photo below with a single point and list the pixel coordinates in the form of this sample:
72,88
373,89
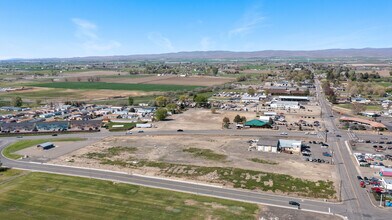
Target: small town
192,116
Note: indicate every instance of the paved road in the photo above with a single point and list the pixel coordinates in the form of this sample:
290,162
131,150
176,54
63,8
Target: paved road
355,199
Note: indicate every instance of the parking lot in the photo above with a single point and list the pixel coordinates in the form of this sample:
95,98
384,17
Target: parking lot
317,152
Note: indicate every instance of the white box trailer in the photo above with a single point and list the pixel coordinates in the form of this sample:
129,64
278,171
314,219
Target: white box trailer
143,125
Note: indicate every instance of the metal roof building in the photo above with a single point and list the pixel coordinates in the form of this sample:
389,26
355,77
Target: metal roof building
46,145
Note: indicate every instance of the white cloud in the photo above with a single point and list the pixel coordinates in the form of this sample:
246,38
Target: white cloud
160,40
86,31
205,43
250,20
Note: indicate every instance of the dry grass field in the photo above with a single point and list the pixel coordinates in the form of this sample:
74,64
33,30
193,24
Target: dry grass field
383,72
207,158
70,94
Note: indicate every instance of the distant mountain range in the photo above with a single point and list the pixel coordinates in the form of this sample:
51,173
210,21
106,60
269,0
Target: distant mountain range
328,53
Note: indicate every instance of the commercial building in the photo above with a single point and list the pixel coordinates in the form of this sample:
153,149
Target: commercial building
255,98
267,146
294,98
285,105
372,124
292,146
255,123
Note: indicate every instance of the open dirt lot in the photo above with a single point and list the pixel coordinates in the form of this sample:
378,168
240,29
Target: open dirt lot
200,119
169,149
173,80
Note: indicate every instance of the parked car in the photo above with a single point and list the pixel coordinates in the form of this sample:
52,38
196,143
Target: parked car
141,131
19,136
54,134
338,135
128,132
359,178
283,133
180,130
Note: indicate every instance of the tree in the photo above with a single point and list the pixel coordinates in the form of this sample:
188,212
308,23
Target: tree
243,119
183,98
200,99
357,108
333,99
161,114
251,91
171,107
241,78
16,101
226,122
390,73
161,101
38,101
215,70
130,100
237,119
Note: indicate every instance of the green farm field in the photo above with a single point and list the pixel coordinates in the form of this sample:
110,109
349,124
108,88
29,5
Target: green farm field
114,86
26,195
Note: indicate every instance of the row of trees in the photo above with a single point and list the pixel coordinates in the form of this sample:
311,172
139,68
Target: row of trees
368,88
346,74
237,119
328,91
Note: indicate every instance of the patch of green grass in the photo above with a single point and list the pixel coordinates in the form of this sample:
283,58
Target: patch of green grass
110,152
51,196
115,86
367,107
205,153
257,160
125,126
10,150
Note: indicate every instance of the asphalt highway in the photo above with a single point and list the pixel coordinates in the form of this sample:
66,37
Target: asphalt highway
355,199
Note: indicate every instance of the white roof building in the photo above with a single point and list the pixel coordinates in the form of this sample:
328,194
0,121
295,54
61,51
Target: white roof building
285,105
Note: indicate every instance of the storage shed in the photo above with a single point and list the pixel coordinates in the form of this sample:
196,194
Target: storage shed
46,145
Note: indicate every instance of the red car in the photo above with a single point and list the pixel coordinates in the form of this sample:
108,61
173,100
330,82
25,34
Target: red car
377,189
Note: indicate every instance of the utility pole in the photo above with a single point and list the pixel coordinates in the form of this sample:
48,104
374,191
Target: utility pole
340,190
326,135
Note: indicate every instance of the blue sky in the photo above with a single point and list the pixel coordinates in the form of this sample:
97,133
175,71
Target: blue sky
69,28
